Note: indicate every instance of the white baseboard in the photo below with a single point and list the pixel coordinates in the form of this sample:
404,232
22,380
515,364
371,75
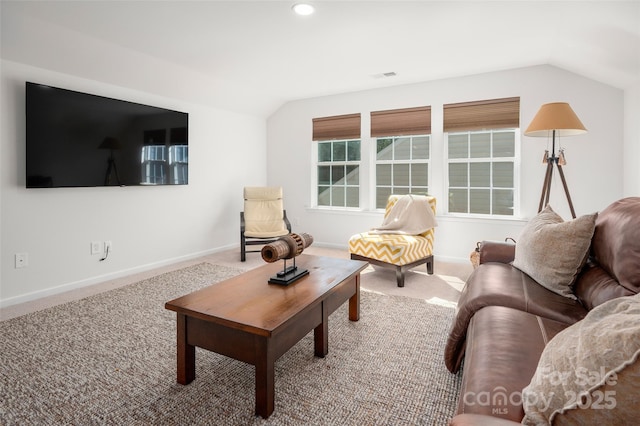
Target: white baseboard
35,295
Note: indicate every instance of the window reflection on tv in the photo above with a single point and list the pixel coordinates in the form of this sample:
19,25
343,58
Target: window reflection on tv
78,139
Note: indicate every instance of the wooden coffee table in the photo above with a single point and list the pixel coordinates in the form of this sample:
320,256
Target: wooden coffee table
247,319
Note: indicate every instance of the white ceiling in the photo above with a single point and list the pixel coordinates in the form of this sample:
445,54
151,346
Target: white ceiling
259,52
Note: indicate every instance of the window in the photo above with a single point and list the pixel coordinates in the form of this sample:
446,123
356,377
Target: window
154,163
178,156
179,164
162,164
482,172
402,166
402,152
339,173
482,140
337,160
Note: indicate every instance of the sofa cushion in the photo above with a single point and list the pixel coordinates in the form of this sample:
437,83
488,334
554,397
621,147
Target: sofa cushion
594,286
616,242
589,373
504,346
553,251
499,284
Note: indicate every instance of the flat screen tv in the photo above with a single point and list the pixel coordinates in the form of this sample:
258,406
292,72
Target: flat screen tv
78,139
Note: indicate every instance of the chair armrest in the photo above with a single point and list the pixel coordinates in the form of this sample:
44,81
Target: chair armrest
496,251
480,420
242,223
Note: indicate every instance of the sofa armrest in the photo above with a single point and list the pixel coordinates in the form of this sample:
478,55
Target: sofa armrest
495,251
480,420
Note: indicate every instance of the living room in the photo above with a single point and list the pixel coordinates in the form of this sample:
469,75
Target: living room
243,135
56,227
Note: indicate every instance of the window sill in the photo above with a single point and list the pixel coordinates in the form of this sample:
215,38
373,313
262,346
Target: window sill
452,218
344,211
481,219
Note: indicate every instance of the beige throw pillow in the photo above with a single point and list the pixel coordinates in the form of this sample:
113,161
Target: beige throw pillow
589,373
552,251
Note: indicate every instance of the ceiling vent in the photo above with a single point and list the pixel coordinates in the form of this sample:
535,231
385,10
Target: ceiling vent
385,75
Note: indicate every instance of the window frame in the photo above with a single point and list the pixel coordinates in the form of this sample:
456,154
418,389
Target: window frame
374,186
154,165
346,163
516,159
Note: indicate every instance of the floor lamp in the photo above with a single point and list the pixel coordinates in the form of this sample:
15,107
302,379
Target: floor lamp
555,119
111,144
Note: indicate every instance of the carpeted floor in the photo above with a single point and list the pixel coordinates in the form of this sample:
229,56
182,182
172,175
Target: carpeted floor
110,359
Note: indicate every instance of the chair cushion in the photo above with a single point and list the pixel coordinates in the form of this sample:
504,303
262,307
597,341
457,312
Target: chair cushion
391,248
263,193
263,212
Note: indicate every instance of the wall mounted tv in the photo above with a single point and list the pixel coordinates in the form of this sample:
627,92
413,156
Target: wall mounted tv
77,139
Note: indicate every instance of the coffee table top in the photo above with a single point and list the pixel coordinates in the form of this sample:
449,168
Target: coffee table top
250,303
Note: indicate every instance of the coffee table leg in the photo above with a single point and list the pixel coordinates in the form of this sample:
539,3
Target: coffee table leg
186,354
265,380
354,302
321,335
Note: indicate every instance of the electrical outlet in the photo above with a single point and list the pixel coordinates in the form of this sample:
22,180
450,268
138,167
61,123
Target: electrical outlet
108,247
96,247
22,260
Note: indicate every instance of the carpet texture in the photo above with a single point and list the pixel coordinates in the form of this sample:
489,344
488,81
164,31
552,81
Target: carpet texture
109,359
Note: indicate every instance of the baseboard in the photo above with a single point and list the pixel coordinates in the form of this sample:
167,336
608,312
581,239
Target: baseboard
29,297
450,259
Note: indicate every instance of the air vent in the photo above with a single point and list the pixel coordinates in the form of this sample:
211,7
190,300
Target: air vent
385,75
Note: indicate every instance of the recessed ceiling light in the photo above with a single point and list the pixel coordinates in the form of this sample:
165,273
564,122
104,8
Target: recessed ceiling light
303,9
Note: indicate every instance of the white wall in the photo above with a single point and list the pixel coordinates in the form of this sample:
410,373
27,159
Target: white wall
153,226
632,141
148,226
594,170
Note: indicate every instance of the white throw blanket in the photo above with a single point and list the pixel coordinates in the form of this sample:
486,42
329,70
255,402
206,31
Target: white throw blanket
410,215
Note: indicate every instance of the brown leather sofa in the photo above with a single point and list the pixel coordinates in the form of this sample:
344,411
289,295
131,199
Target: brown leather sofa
505,318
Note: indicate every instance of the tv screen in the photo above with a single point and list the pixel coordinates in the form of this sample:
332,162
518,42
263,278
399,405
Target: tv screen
78,139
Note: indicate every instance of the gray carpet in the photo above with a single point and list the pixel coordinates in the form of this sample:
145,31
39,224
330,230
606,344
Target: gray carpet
109,359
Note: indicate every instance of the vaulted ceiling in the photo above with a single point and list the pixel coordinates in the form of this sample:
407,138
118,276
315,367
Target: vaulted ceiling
256,55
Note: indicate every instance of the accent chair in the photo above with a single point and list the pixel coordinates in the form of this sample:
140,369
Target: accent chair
263,220
398,251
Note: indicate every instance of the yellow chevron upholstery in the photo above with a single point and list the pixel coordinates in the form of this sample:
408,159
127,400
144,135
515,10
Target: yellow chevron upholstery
395,249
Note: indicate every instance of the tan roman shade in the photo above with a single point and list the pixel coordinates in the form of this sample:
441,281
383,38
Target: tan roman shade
479,115
336,127
399,122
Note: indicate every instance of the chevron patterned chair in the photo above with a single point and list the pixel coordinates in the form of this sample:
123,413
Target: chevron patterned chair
398,251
